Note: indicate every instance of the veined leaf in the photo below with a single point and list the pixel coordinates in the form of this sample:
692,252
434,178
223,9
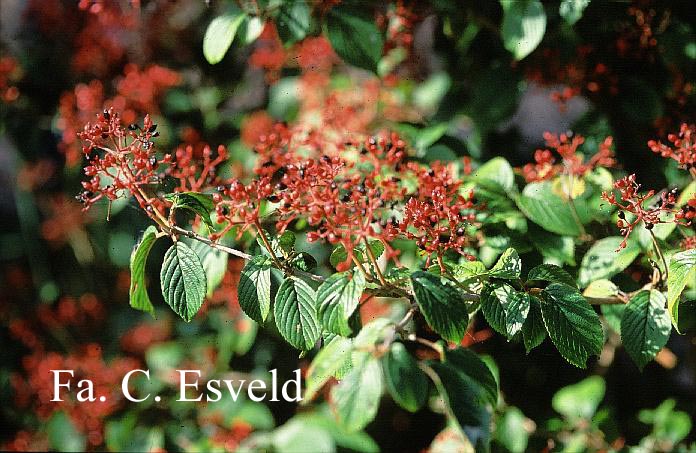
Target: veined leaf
645,326
550,273
214,262
549,211
138,290
442,306
498,173
183,280
508,266
572,324
296,315
504,308
254,289
533,330
682,270
356,398
198,203
339,254
406,383
337,299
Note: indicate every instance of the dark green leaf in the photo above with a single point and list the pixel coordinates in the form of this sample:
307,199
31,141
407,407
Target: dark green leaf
339,254
467,362
295,313
645,326
198,203
441,305
214,262
572,324
549,273
254,289
138,290
406,383
533,330
504,308
294,21
183,280
337,299
355,37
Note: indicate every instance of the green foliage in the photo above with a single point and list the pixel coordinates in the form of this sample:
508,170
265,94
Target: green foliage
254,291
354,36
337,299
682,271
183,280
441,304
605,259
198,203
543,207
580,401
296,314
220,34
645,326
406,383
356,398
138,290
524,24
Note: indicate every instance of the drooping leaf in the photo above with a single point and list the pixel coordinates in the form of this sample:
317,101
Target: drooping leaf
356,398
337,299
138,290
605,259
295,313
682,271
504,308
198,203
467,362
549,273
355,37
326,364
508,266
183,280
219,36
572,324
441,305
524,24
533,330
254,289
645,326
406,383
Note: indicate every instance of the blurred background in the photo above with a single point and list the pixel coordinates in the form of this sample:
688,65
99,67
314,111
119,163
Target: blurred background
447,83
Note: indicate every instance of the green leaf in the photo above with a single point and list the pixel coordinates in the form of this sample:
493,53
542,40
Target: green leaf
497,174
138,290
511,430
645,326
356,398
524,24
355,37
571,10
467,362
219,36
183,280
295,436
579,401
504,308
294,21
466,400
282,245
406,383
533,330
572,324
303,261
198,203
508,266
682,270
604,261
601,288
549,273
254,289
295,313
214,262
330,359
549,211
441,305
337,299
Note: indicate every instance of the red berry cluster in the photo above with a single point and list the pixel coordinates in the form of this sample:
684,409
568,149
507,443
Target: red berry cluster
633,202
682,148
546,167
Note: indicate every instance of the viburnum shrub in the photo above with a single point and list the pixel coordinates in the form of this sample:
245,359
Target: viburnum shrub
363,195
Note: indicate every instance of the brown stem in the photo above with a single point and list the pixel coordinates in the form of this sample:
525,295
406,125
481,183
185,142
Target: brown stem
373,260
267,244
